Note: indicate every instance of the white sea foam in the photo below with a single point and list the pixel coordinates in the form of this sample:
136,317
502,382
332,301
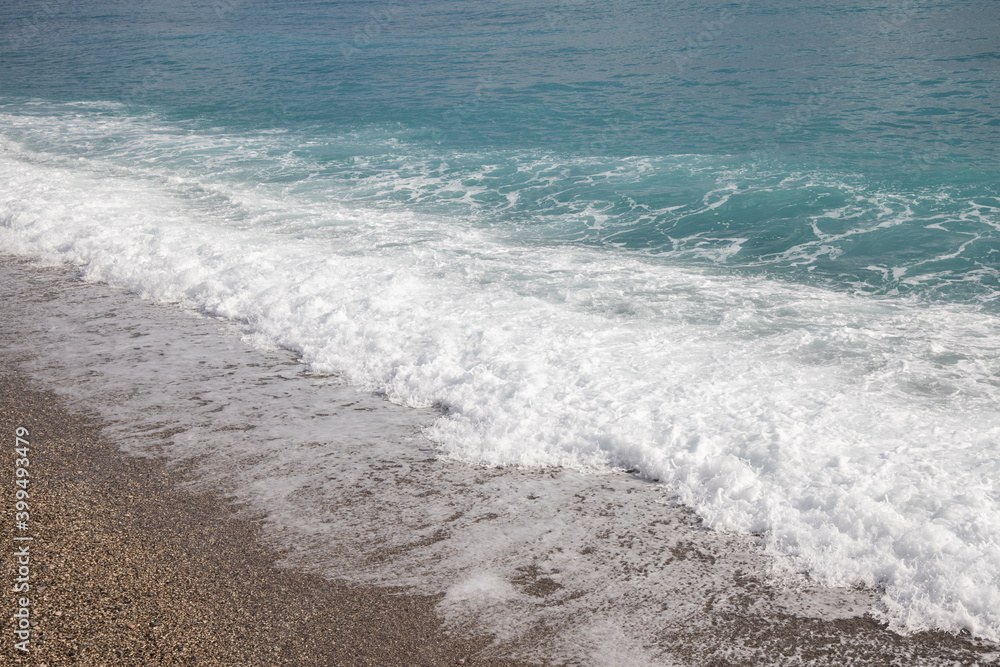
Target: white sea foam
567,565
857,434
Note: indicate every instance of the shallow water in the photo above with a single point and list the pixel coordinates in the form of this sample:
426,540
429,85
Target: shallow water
596,567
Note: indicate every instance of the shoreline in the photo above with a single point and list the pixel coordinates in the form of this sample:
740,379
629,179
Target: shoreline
111,494
129,569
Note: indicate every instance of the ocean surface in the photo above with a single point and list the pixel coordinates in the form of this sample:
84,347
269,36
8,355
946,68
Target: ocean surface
750,251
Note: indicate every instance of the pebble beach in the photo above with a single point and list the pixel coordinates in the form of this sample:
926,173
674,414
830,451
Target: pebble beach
134,563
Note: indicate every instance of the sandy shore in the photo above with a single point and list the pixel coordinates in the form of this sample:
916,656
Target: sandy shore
127,570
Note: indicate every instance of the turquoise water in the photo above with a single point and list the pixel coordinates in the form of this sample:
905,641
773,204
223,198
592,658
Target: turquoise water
841,143
750,250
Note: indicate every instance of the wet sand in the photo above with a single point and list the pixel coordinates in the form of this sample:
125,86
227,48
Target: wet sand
129,569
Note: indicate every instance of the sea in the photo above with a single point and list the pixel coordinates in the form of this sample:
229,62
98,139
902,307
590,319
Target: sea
747,253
